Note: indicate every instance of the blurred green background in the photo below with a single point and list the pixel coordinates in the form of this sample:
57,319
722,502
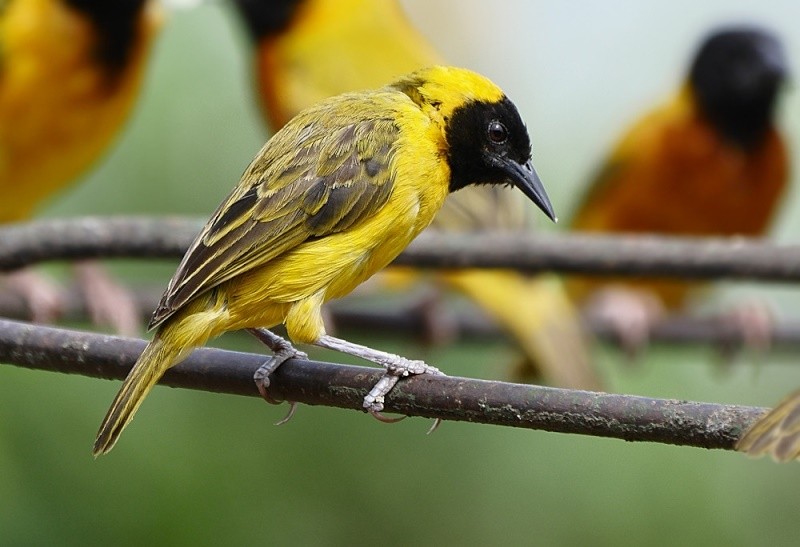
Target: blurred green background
206,469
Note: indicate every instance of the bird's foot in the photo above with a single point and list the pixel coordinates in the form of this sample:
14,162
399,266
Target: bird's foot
44,299
108,302
754,321
282,350
261,376
630,313
396,367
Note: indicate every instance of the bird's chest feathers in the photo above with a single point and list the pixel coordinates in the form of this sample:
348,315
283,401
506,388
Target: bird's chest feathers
418,194
421,184
709,186
410,209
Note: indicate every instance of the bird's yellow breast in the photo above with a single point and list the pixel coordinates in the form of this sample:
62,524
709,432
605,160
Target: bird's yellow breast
58,109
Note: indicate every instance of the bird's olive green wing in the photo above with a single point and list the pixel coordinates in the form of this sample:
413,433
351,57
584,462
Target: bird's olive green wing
312,179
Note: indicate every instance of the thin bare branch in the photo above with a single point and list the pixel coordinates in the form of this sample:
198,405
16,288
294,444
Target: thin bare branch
626,417
132,237
25,244
409,321
672,330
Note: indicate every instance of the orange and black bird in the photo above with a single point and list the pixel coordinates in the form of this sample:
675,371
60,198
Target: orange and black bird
333,197
709,162
70,71
307,50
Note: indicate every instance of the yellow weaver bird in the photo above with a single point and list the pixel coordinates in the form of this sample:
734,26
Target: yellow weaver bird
307,50
70,72
708,162
777,433
332,198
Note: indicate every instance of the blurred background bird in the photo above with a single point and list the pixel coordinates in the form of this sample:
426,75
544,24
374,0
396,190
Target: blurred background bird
708,162
70,74
330,199
306,50
777,433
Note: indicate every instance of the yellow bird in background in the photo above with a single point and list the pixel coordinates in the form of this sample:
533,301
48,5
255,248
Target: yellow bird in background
307,50
70,74
333,197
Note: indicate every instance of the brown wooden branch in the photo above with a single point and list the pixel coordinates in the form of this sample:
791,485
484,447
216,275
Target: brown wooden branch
627,417
134,237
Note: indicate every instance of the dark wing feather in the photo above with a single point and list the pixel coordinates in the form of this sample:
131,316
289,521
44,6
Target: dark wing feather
312,179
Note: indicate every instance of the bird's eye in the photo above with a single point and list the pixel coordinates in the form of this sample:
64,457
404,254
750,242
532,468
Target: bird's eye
498,133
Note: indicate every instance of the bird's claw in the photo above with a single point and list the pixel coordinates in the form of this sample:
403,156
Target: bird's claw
400,368
434,426
384,418
283,353
289,415
262,383
374,400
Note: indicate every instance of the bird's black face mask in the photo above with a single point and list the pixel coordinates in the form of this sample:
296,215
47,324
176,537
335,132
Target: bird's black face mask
488,144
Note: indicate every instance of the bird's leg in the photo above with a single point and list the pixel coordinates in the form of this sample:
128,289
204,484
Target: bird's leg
107,302
631,313
396,367
45,300
754,320
282,351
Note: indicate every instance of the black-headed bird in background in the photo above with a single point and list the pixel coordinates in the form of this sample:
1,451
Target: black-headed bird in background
332,198
708,162
70,71
307,50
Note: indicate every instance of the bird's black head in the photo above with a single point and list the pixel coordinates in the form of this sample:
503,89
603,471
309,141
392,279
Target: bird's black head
735,78
115,23
267,18
488,144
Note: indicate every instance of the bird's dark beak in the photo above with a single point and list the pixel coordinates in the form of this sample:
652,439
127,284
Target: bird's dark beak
525,178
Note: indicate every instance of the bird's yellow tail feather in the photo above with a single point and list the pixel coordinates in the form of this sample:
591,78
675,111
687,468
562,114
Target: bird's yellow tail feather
154,361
